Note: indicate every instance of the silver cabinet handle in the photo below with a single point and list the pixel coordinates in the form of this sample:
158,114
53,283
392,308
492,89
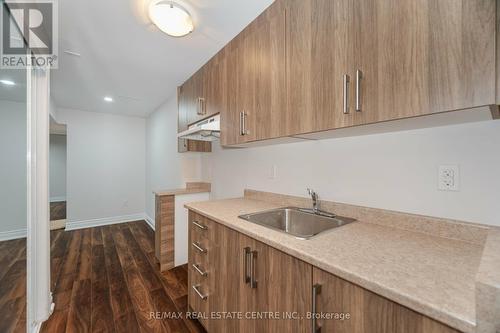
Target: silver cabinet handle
198,292
198,269
244,123
246,253
201,106
201,226
199,248
346,94
241,123
316,289
359,76
253,281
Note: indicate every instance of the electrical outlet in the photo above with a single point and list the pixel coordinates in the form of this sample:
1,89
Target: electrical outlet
449,178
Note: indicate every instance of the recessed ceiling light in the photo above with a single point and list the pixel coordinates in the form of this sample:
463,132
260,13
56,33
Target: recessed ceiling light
170,18
8,82
108,99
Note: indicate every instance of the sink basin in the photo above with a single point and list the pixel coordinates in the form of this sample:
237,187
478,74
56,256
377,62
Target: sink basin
299,222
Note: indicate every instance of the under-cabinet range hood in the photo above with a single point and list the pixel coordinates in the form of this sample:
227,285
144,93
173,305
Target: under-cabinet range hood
207,129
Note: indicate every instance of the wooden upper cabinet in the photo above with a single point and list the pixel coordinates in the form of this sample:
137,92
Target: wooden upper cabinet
319,53
425,56
214,85
230,116
188,105
256,80
195,91
294,69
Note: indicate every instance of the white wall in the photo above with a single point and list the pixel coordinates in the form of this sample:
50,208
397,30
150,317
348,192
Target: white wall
105,165
12,167
396,171
165,168
57,167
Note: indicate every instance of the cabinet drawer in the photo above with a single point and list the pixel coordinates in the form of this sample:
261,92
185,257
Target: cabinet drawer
200,227
199,250
199,295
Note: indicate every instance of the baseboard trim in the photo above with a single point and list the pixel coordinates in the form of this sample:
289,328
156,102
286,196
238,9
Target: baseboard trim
14,234
75,225
149,221
57,199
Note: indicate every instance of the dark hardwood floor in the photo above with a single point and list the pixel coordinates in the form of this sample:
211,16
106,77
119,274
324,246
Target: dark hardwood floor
107,279
13,286
104,279
57,210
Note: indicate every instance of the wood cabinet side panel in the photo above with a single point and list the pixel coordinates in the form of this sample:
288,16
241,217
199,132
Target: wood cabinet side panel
166,233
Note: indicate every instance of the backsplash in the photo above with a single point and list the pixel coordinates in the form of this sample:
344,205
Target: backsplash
394,171
459,230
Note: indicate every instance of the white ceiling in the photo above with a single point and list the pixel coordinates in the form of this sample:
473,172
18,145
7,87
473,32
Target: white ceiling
124,56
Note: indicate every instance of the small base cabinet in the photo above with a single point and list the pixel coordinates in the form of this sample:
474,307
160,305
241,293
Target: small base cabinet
239,284
247,286
361,311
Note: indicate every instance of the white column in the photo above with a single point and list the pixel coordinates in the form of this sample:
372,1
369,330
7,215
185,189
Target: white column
39,298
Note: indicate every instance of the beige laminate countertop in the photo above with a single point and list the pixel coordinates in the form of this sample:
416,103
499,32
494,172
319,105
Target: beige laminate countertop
431,275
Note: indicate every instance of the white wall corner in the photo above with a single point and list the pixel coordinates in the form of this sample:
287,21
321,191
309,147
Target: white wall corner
39,299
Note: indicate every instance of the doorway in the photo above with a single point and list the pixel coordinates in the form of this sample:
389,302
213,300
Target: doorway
57,174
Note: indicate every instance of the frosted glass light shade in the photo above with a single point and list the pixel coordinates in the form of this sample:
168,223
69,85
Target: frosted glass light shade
171,18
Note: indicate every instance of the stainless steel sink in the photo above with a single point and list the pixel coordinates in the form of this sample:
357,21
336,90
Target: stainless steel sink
299,222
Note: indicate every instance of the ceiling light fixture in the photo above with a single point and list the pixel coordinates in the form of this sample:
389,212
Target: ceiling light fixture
108,99
8,82
171,18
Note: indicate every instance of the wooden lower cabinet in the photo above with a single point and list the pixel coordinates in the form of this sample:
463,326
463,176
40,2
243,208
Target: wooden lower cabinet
252,287
367,311
247,290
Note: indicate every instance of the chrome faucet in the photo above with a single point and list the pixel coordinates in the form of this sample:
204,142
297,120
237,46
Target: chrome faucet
314,197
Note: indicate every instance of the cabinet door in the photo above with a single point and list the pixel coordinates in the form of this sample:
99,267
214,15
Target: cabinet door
256,80
230,119
195,110
224,278
268,73
319,54
186,103
368,312
253,288
214,85
289,284
280,288
423,56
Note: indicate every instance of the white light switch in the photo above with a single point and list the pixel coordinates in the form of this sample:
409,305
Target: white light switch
449,178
